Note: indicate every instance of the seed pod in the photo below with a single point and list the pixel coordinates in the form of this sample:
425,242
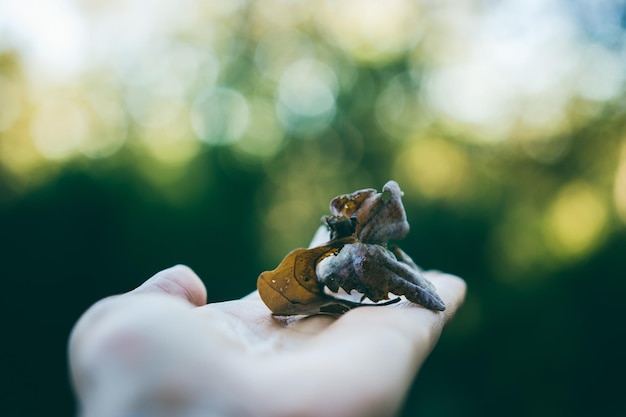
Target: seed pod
356,258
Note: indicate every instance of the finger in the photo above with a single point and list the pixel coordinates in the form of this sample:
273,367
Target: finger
179,281
419,326
406,317
254,295
451,289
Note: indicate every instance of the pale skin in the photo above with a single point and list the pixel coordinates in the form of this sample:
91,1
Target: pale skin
160,350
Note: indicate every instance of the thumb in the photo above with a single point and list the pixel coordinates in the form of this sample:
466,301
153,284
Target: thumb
179,281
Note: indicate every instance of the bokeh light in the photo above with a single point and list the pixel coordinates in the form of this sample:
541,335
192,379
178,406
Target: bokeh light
58,127
514,70
220,116
10,103
619,187
264,136
575,220
371,31
306,96
435,168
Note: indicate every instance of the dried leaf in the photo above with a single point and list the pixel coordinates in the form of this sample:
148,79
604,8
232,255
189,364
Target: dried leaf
355,259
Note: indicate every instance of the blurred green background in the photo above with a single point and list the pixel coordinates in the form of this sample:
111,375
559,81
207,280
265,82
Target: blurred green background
137,135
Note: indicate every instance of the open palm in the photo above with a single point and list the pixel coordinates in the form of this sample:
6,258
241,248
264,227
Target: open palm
160,350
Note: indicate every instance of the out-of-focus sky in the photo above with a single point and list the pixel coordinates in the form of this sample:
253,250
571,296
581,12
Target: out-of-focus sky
502,70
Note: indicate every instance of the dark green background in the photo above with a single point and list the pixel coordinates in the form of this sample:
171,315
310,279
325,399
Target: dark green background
540,347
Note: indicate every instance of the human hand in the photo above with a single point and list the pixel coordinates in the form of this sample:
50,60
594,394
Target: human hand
160,350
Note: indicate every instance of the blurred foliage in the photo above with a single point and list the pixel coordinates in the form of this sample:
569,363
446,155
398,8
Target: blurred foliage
136,135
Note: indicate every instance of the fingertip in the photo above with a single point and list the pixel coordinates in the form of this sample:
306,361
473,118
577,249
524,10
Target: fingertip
451,289
179,281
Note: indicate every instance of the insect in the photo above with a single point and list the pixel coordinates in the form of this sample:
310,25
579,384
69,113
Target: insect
355,258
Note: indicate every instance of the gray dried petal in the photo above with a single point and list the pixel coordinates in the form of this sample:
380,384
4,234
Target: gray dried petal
406,259
386,219
375,271
379,219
